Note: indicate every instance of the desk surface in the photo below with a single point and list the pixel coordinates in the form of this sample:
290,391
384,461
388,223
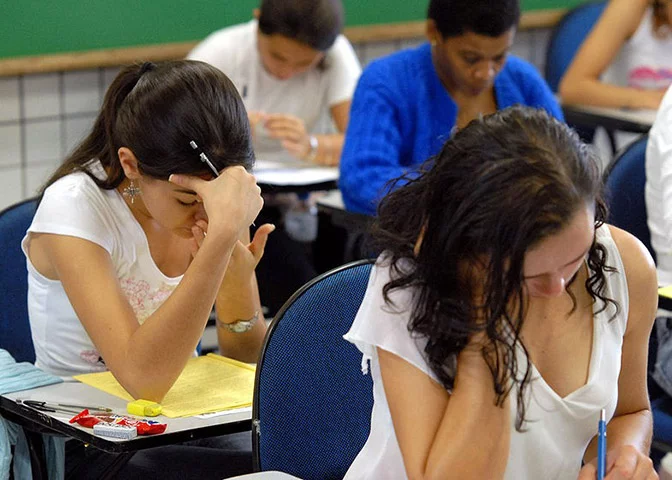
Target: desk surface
178,430
294,176
636,121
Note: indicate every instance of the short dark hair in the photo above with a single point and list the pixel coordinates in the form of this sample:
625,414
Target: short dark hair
316,23
491,18
155,110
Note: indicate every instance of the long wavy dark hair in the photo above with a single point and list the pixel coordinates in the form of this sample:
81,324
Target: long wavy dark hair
155,110
499,187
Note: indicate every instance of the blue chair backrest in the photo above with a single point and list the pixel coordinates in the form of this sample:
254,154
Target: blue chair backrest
312,404
567,37
15,334
625,181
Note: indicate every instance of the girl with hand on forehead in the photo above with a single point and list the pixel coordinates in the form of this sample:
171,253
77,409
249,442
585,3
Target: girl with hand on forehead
135,237
503,315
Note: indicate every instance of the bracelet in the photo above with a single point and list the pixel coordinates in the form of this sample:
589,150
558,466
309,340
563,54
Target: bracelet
240,325
312,153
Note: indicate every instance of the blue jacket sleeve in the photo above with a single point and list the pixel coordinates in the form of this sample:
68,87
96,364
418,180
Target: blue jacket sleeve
539,94
373,140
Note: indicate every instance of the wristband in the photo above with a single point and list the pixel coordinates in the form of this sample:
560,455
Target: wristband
312,153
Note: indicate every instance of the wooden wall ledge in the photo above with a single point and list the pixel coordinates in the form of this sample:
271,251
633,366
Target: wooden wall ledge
169,51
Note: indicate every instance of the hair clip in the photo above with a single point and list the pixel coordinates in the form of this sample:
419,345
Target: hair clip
204,158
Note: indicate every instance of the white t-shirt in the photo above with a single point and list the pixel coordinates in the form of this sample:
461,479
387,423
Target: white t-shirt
75,206
559,429
308,96
644,61
658,190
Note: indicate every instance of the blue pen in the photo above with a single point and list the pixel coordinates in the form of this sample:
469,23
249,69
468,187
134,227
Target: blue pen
602,446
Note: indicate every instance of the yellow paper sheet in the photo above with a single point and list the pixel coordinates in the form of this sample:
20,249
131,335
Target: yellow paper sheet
666,291
207,384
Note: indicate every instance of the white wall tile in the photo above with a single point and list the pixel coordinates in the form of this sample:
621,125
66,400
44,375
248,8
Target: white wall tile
43,141
10,139
108,75
42,95
540,38
75,131
413,42
36,175
9,98
522,45
82,91
378,49
10,186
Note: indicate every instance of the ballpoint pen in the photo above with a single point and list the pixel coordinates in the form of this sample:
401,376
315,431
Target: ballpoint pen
602,446
61,407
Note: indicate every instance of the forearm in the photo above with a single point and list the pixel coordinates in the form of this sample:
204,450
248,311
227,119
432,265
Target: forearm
329,148
593,92
238,300
461,449
635,429
158,350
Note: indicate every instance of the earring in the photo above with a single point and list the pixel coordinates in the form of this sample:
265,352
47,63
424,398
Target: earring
131,192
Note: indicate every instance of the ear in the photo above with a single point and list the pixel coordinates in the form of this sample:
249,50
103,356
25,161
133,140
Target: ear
256,13
129,163
433,34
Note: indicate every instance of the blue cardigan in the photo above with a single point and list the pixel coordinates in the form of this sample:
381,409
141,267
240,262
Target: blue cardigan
401,115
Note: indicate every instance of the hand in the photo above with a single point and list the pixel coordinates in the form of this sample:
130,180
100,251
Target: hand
246,257
623,463
232,201
291,131
255,118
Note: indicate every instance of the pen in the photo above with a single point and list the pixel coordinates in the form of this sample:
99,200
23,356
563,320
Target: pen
204,158
82,407
601,446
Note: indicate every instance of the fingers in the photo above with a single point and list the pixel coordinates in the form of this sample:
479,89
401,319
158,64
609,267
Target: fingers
588,472
258,243
187,181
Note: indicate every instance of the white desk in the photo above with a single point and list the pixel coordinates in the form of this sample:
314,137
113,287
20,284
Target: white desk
270,475
636,121
294,176
178,430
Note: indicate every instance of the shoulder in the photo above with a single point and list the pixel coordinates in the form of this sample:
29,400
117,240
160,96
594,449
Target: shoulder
226,40
73,187
341,48
639,268
521,70
398,68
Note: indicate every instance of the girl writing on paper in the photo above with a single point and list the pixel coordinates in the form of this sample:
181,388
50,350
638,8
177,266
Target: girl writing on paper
136,237
293,68
503,315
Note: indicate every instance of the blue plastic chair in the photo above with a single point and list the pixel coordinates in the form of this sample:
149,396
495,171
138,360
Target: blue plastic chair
566,38
312,404
15,336
625,181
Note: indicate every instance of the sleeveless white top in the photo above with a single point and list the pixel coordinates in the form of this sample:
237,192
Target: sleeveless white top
644,61
558,430
75,206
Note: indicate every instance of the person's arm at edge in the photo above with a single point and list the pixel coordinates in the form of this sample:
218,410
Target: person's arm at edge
632,424
581,83
659,154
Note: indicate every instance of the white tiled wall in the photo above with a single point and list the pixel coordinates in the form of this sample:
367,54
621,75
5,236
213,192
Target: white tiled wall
42,117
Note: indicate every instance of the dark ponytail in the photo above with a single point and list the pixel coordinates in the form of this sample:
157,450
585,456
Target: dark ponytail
155,110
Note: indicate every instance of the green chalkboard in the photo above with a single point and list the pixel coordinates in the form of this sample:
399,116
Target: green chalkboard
40,27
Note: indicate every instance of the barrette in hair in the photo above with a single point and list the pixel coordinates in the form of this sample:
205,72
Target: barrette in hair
204,158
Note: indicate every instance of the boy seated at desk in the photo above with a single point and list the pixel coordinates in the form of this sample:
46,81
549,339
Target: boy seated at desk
408,104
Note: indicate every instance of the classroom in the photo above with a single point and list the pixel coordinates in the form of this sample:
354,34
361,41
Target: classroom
316,239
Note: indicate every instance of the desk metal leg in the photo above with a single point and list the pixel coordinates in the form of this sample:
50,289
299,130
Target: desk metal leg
38,461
